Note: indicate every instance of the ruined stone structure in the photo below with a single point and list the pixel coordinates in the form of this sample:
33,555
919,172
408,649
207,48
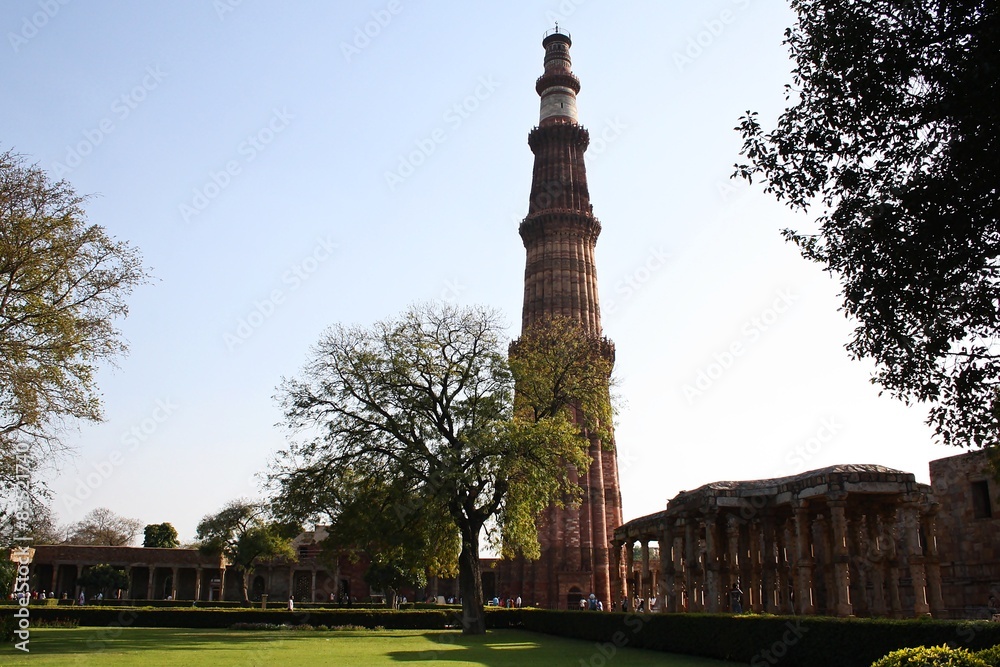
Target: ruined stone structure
968,531
560,279
848,540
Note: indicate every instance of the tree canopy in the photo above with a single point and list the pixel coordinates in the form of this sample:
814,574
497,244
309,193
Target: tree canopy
424,404
891,136
102,527
244,533
162,535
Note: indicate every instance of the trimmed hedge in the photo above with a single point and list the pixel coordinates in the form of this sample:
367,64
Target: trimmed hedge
762,641
223,618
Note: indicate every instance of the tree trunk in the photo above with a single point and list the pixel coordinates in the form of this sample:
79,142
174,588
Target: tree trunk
470,582
246,587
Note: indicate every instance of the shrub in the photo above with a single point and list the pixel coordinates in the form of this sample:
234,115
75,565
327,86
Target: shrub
991,656
933,656
7,626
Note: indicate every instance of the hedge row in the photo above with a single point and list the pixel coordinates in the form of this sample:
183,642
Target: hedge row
762,641
223,618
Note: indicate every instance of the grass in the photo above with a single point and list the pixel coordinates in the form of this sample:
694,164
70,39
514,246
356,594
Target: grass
165,647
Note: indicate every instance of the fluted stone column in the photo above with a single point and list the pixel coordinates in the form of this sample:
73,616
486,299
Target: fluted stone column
197,582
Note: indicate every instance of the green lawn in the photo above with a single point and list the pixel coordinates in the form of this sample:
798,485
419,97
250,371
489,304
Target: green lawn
163,647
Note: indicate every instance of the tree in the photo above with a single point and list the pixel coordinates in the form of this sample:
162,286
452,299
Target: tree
102,527
104,579
244,533
63,283
162,535
425,404
893,137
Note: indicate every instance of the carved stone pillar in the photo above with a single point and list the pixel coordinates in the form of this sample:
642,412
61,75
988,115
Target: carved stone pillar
151,582
768,564
174,577
890,521
197,582
712,592
915,556
690,564
668,597
803,559
878,558
629,569
929,522
644,579
841,602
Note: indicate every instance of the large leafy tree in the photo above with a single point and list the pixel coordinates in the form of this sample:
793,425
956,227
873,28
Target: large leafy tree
892,140
63,283
102,527
425,404
245,534
162,535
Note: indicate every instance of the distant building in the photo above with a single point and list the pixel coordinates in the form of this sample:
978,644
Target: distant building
187,574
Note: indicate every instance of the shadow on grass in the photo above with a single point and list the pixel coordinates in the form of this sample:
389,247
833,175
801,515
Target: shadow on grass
55,641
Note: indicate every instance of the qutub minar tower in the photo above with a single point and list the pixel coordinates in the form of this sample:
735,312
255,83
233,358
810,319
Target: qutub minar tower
560,279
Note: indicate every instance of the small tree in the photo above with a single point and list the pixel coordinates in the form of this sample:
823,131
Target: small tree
162,535
245,535
104,579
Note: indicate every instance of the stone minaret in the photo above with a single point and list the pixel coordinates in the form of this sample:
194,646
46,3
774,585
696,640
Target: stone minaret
560,278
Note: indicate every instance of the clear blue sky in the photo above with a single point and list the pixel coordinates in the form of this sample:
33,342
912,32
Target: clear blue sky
285,166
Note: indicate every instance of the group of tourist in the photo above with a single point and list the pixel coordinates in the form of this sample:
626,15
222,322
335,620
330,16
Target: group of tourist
42,595
509,603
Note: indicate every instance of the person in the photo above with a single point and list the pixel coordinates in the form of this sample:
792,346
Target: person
993,607
583,603
83,599
600,606
736,598
517,602
291,603
625,604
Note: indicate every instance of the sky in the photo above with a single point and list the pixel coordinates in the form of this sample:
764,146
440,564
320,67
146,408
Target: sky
287,166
